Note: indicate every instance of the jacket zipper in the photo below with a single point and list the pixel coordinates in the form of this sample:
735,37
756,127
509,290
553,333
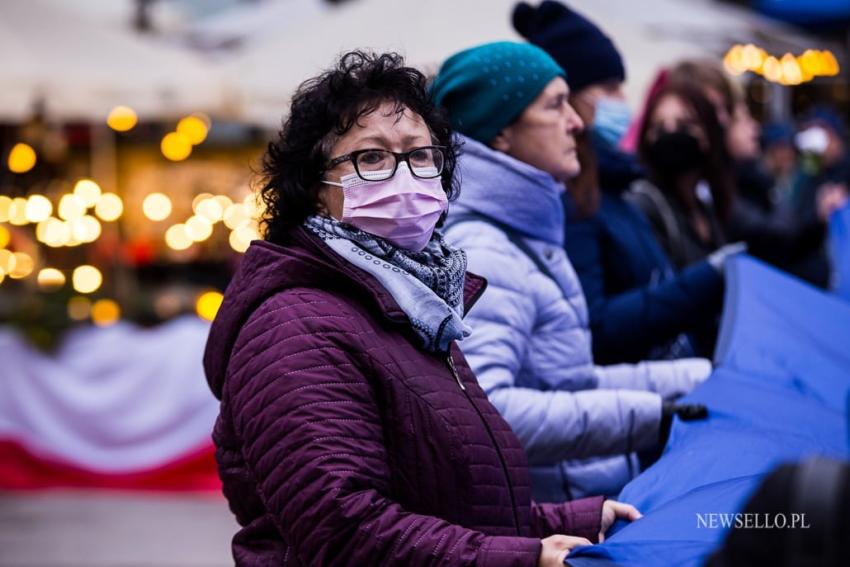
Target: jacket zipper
454,372
492,440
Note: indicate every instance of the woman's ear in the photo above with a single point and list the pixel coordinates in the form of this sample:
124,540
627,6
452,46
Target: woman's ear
502,141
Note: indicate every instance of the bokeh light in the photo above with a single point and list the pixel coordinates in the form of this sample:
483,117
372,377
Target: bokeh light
22,158
53,232
71,207
105,312
177,238
7,260
208,304
194,128
79,308
85,229
5,205
18,211
24,265
236,216
157,206
176,146
210,209
5,236
198,228
109,207
240,239
50,279
38,208
122,118
88,191
86,279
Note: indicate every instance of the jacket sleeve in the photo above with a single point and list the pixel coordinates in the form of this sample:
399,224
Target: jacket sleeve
668,378
552,425
582,518
312,440
631,322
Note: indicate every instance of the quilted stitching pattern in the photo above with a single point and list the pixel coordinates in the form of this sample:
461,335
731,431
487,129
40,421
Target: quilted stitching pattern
341,443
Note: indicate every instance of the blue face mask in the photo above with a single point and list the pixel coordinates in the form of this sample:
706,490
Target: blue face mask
611,120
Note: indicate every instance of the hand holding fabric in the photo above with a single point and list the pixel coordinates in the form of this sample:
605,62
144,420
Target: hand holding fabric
613,511
556,548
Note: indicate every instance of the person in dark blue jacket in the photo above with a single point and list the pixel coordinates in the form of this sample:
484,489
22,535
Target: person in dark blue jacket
640,306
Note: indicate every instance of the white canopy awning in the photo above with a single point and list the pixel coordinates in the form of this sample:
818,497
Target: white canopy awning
80,67
288,44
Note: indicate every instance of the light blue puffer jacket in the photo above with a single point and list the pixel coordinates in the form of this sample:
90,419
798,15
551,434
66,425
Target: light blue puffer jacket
531,346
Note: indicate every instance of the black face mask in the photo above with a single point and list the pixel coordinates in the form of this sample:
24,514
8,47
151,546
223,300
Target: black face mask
674,153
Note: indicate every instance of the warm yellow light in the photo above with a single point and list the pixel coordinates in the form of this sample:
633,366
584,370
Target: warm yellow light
200,198
177,238
829,64
122,118
24,265
193,128
207,305
5,236
85,229
805,70
5,205
109,207
241,238
224,201
50,279
18,211
810,62
733,61
7,261
791,70
198,228
79,308
88,191
176,146
210,209
53,232
772,69
105,312
752,56
157,206
38,208
86,279
71,207
22,158
236,216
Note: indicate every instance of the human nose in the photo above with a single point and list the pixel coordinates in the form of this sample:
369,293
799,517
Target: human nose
574,122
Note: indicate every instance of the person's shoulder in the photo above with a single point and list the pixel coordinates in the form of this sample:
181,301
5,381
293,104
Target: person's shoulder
475,233
300,319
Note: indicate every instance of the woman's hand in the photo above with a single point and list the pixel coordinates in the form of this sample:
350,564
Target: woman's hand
612,511
557,547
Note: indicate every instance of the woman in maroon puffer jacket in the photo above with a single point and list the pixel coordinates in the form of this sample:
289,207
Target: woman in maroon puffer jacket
352,431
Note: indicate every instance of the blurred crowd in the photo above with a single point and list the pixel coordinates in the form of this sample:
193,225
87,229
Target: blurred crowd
602,237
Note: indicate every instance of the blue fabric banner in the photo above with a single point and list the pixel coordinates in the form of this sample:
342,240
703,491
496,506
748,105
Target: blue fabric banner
839,247
778,394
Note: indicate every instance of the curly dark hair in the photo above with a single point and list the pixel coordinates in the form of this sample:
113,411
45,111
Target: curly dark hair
325,108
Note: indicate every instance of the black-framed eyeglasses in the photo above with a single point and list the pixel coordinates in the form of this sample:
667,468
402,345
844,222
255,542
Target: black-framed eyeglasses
373,164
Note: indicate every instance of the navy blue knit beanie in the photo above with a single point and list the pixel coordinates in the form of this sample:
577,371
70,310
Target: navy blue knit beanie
586,54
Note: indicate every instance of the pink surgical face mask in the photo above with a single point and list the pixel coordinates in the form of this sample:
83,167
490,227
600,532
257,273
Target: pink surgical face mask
403,209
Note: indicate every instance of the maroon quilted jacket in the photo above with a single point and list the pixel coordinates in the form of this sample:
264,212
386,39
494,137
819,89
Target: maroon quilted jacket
340,442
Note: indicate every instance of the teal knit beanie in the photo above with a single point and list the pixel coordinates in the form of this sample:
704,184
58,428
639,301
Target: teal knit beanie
485,88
